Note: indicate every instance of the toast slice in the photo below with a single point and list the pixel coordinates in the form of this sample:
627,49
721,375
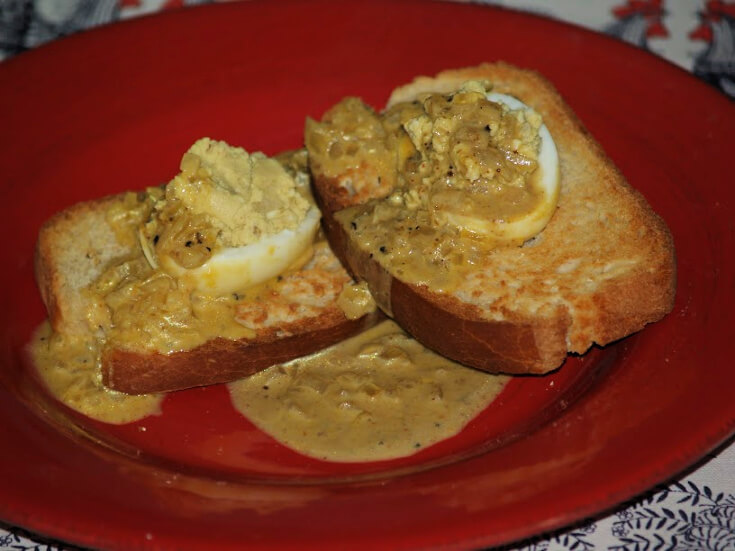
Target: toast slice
601,269
296,315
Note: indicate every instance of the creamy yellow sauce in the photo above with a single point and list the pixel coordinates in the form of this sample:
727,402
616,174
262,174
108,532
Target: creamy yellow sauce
148,310
69,368
377,396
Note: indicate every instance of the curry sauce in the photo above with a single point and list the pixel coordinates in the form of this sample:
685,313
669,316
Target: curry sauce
379,395
69,369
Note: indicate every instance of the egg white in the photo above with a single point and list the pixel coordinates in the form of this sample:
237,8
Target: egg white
522,228
234,269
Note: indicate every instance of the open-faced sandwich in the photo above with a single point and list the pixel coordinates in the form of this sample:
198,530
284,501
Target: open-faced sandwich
487,221
216,275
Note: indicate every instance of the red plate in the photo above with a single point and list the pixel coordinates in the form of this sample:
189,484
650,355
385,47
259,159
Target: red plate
114,109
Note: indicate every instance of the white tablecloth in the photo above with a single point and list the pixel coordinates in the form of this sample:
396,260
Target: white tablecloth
694,512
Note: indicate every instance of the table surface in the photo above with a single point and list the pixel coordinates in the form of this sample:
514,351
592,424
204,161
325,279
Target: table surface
697,35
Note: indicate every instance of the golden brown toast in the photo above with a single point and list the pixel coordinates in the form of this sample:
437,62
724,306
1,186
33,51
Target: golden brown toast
602,268
294,316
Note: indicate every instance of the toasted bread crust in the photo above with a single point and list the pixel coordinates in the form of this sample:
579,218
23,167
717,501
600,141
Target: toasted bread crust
75,246
603,229
222,360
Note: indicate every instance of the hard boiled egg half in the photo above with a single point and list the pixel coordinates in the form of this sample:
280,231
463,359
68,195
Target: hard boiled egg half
509,226
258,220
